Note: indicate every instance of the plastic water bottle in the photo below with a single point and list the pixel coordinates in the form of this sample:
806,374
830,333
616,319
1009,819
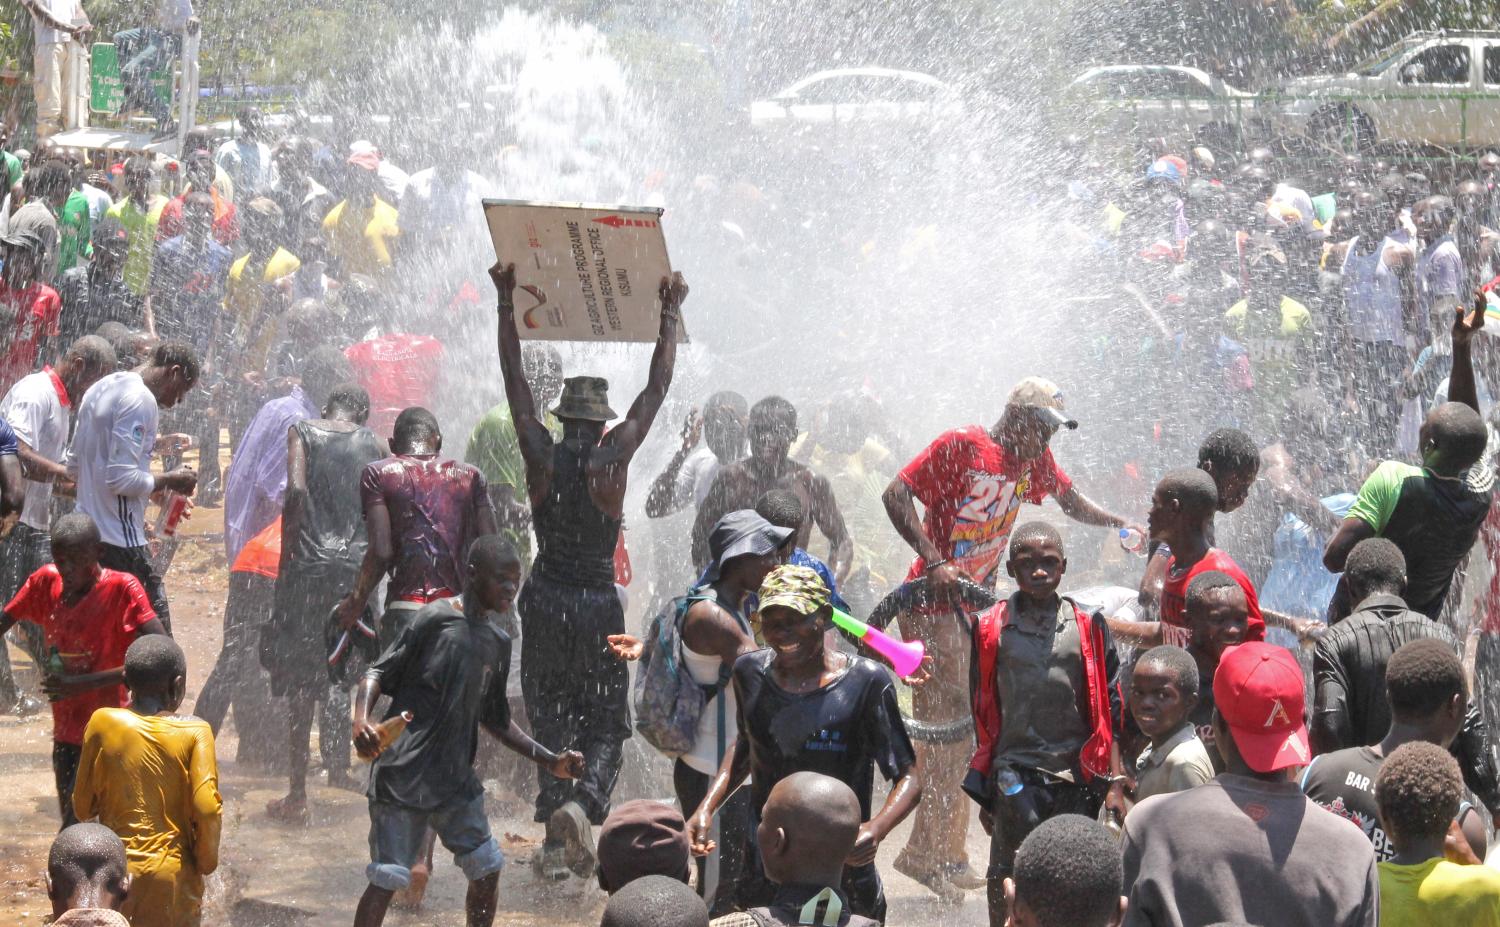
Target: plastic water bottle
1008,782
1132,541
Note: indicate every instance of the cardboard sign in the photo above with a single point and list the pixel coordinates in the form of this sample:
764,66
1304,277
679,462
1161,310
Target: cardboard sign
583,273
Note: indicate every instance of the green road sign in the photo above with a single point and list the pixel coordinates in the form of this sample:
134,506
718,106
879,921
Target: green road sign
107,88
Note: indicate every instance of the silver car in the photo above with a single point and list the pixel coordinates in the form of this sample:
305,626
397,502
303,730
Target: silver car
857,95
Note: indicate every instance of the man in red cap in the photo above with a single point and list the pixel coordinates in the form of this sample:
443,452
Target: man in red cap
1248,846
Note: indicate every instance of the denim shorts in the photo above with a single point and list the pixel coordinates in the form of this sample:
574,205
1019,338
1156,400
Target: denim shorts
396,835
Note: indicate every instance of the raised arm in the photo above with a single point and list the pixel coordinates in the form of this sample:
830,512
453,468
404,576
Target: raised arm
532,436
1461,386
631,432
664,499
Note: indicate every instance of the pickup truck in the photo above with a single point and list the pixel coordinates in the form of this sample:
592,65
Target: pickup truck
1430,89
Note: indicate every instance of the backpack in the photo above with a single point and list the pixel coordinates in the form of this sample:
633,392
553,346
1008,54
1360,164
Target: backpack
668,703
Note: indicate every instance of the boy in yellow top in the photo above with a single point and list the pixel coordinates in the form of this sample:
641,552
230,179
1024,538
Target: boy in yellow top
362,228
1417,793
149,775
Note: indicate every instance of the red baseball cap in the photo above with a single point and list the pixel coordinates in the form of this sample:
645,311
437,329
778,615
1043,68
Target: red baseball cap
1258,691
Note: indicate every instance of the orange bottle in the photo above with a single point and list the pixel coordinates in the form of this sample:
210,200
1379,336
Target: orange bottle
389,730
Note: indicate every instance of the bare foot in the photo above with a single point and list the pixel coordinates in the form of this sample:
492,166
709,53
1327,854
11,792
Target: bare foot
288,810
410,897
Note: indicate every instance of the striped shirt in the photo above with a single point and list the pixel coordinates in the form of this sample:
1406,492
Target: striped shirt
111,456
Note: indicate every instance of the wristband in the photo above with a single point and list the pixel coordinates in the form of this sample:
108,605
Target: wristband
933,566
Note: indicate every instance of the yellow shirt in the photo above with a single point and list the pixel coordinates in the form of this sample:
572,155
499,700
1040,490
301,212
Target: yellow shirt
140,229
361,240
246,302
1438,892
153,780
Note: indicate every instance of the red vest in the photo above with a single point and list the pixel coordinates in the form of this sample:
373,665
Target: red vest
1094,757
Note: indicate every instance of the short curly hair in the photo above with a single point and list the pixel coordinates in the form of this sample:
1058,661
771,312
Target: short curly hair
1418,791
1375,565
1069,872
1422,676
1230,451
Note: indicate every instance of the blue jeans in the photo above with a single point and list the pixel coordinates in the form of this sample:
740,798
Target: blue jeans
143,52
397,834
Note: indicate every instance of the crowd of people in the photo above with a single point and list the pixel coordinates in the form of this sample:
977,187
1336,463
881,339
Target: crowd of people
1273,725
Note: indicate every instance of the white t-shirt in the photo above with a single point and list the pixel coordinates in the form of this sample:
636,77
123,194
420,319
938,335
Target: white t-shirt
695,479
64,11
34,411
111,456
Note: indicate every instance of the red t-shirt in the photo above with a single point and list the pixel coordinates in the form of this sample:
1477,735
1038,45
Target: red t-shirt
398,371
90,635
31,315
1174,596
971,488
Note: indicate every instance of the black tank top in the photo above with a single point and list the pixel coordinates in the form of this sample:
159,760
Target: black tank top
332,533
575,540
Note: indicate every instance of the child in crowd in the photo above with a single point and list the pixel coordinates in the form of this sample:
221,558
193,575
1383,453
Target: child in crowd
1424,682
1218,615
447,667
87,879
1418,791
1068,871
89,615
149,774
1047,707
1163,693
805,707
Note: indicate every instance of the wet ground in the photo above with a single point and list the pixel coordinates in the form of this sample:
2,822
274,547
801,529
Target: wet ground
274,874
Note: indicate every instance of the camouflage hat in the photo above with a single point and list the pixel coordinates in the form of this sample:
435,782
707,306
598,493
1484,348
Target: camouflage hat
799,588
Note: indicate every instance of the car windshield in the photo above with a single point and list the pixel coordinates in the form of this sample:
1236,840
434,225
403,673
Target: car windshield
1383,59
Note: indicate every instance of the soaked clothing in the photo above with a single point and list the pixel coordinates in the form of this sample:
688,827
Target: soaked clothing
434,506
1350,707
1434,520
843,730
449,671
1175,628
187,290
1246,850
324,556
494,448
576,691
1038,675
1438,892
89,635
575,539
153,780
256,484
1343,782
972,489
89,299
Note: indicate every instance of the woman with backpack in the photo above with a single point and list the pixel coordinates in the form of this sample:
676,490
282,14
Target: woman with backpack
743,548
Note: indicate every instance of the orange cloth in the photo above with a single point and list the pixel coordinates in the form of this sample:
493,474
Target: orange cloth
262,553
153,780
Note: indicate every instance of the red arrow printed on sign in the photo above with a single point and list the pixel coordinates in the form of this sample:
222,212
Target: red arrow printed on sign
616,222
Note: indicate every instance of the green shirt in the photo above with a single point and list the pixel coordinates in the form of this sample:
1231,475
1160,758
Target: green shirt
13,170
494,449
140,228
1438,892
1434,520
73,231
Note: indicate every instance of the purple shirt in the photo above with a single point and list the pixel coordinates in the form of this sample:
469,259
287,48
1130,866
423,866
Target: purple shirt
1440,272
434,505
257,474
